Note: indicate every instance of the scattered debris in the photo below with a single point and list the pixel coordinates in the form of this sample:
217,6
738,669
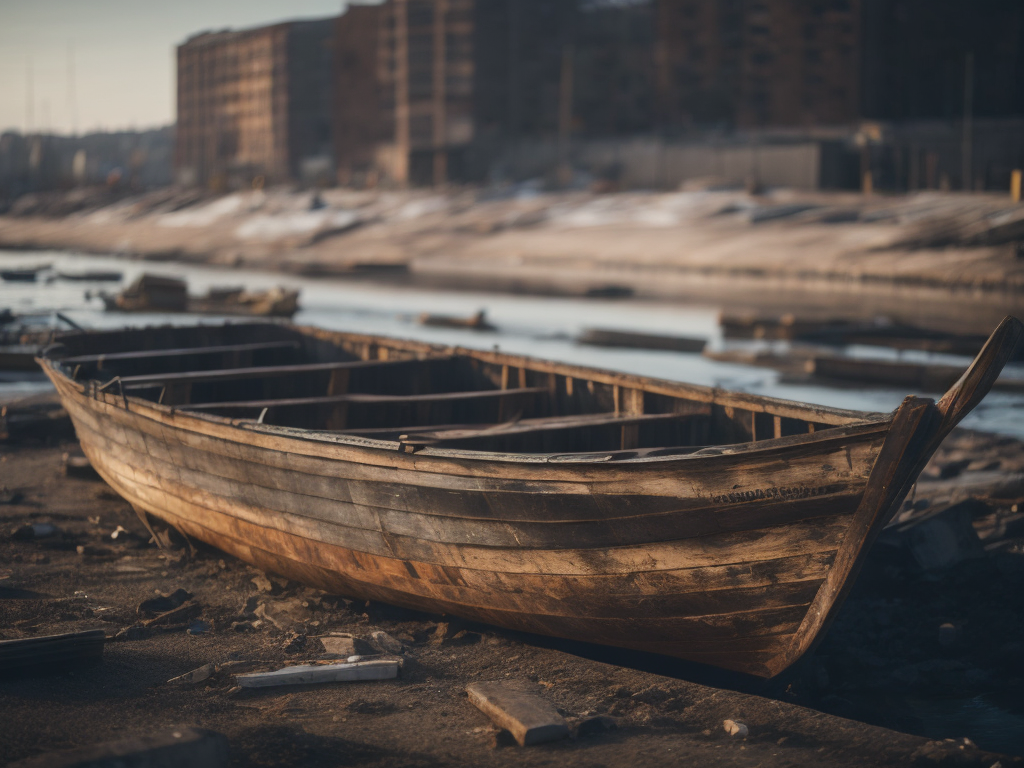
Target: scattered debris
289,614
79,466
10,497
295,643
198,628
194,747
204,672
178,615
386,642
382,669
339,644
597,724
42,654
35,531
164,603
941,538
528,717
736,728
134,632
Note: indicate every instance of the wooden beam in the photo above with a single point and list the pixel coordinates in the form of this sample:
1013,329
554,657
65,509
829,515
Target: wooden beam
441,434
261,371
146,354
367,399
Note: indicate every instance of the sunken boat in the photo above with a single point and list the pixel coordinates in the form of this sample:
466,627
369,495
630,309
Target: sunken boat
720,527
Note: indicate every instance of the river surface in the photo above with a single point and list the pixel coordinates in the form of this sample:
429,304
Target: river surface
539,326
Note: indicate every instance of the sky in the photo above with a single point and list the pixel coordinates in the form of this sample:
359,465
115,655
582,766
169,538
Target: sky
123,54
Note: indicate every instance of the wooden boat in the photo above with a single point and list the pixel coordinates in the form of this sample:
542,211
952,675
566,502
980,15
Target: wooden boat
23,274
156,293
91,276
723,528
607,337
475,322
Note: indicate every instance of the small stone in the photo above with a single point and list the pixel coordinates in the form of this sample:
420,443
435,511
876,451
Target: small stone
592,726
734,728
262,582
198,628
35,531
164,603
386,642
341,644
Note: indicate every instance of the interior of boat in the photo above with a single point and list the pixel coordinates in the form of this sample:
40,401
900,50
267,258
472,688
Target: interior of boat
421,394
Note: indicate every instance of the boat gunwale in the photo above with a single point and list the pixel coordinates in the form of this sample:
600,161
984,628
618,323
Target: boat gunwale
181,418
837,418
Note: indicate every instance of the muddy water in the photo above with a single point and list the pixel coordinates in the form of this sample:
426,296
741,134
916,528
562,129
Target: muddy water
539,326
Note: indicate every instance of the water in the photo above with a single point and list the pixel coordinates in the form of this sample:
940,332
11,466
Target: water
538,326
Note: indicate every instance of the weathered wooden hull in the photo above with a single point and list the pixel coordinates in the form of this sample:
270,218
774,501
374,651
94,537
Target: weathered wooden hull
736,558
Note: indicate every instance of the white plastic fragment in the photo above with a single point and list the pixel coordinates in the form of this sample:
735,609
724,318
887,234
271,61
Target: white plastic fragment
735,728
303,674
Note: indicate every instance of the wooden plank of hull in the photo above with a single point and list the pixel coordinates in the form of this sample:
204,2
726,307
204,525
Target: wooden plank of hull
684,522
676,634
736,478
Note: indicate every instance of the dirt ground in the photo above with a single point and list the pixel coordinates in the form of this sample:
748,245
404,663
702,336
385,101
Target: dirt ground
918,659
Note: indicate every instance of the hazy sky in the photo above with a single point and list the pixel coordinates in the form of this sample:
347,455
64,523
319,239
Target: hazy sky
123,52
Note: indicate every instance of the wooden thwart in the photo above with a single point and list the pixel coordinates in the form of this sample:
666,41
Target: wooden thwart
259,371
535,426
367,399
146,354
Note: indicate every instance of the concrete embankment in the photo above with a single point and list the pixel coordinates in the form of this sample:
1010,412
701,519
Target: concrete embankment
940,259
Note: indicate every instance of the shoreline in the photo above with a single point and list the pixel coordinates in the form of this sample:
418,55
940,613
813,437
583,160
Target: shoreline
902,258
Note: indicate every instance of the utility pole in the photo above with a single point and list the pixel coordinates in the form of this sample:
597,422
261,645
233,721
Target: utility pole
29,97
402,137
565,115
72,102
440,93
968,138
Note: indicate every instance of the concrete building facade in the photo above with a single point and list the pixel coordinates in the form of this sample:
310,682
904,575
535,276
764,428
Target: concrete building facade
255,104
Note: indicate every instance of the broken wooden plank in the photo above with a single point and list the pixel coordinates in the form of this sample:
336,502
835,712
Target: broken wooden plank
304,674
144,354
194,747
50,651
356,397
528,717
605,337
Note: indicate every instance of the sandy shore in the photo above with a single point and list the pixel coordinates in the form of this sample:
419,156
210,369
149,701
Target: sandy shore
942,259
908,661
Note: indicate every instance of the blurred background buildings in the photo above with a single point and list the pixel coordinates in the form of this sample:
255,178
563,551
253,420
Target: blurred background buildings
893,94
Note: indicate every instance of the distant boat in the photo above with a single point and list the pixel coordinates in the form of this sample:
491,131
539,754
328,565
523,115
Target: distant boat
155,293
605,337
477,322
22,275
95,276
